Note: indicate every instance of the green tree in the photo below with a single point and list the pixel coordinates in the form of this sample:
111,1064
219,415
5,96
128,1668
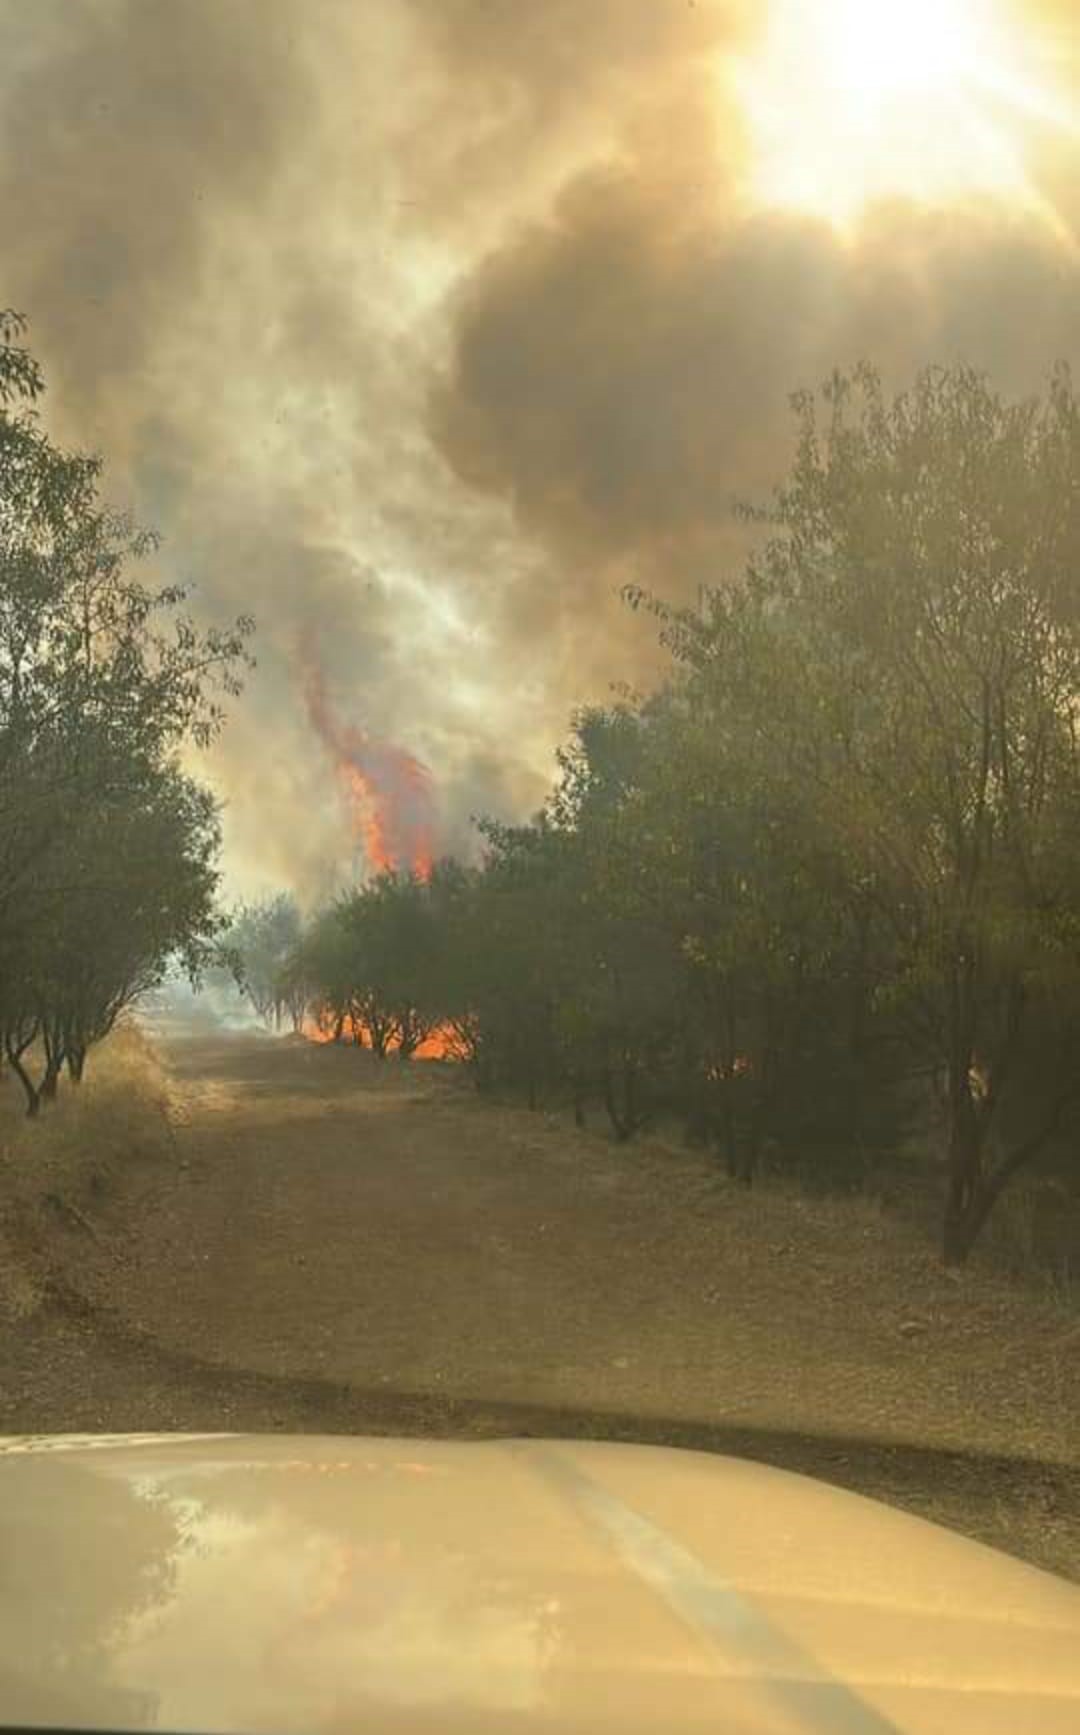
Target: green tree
905,651
262,940
375,964
131,887
102,680
390,939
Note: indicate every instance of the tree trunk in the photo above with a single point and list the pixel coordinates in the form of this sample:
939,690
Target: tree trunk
964,1210
729,1129
962,1227
612,1107
751,1148
76,1061
973,1189
756,1121
33,1099
695,1129
698,1095
623,1114
55,1051
631,1097
741,1155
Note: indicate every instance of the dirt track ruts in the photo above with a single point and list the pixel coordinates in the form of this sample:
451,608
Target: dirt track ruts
335,1247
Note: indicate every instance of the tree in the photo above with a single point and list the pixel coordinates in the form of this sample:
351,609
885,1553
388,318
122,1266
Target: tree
131,887
262,938
104,847
389,937
374,965
320,967
96,669
455,964
906,651
619,1013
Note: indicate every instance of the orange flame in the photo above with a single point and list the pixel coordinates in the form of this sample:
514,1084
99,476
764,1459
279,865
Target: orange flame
438,1044
388,791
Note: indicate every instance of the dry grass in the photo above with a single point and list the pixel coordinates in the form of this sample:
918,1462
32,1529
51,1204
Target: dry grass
58,1170
293,1235
1013,1242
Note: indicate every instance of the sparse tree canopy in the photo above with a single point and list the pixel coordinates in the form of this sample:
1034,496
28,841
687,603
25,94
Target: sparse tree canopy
371,968
105,850
260,940
836,853
902,669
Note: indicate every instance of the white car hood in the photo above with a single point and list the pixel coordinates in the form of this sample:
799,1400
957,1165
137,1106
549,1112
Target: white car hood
319,1584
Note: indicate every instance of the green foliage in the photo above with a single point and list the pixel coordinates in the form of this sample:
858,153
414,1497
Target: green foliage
106,849
370,968
900,671
258,947
837,852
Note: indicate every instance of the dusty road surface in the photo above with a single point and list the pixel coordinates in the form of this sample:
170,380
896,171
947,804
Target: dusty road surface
318,1242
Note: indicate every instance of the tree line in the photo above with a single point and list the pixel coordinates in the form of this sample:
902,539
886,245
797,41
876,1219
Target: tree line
828,873
824,874
108,848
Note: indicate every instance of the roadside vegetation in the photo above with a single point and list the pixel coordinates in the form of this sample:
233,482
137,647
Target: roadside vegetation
814,897
108,848
820,892
807,914
284,1236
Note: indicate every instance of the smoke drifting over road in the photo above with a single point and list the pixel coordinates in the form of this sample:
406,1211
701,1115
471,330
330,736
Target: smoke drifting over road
422,327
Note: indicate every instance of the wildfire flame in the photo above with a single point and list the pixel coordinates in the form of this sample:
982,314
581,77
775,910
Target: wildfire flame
439,1044
388,791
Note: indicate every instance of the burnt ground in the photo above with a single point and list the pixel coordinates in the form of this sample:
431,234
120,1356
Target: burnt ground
259,1234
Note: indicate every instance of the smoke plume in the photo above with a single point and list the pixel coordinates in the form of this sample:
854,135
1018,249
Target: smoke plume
419,328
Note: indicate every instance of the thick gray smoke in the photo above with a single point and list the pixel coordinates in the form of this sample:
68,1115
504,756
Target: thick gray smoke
417,328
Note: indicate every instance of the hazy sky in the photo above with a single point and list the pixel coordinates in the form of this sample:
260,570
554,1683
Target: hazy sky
419,326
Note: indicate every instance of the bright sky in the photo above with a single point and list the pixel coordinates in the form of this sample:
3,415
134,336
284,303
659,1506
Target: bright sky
850,101
420,327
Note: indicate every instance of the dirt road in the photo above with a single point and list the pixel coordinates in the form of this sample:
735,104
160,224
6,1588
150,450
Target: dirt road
329,1244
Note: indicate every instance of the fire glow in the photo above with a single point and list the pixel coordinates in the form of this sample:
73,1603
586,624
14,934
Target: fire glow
387,790
439,1044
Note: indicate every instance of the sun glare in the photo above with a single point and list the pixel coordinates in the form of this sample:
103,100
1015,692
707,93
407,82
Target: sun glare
878,52
850,101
